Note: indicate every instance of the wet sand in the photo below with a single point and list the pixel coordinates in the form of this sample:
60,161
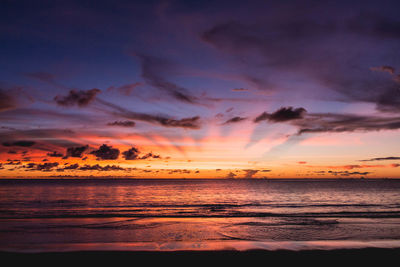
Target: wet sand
309,257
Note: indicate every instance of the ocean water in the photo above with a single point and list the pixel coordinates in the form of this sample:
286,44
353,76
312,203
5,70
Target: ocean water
123,214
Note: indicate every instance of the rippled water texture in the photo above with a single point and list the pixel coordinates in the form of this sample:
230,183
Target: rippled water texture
162,214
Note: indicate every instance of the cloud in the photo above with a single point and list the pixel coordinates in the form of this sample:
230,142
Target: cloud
282,114
97,167
76,152
55,154
182,171
268,39
150,155
131,154
106,152
153,70
23,143
190,122
249,173
46,139
347,173
330,122
71,167
230,175
45,167
6,101
122,123
126,89
299,44
240,90
356,166
389,69
262,117
384,158
235,120
80,98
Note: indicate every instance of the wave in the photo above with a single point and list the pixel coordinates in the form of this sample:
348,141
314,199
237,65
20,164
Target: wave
300,221
192,214
233,207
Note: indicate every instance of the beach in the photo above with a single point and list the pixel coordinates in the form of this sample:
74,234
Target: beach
280,257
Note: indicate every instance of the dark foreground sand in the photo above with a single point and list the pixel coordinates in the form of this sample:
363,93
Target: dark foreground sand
383,257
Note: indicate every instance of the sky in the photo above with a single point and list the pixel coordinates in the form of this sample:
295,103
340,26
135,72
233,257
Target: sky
200,89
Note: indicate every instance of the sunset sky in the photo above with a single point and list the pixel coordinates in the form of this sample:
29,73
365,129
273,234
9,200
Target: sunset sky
200,89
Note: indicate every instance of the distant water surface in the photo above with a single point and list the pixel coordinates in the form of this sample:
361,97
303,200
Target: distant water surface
188,214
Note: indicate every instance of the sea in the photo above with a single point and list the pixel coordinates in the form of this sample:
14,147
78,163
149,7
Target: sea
47,215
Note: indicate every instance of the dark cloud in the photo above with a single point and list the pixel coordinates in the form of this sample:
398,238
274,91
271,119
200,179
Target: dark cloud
262,117
286,114
97,167
384,158
150,155
347,173
6,101
55,154
45,167
329,122
282,114
71,167
50,139
76,152
106,152
13,162
122,123
23,143
356,166
131,154
190,123
235,120
153,70
230,175
181,171
134,154
249,173
80,98
300,44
